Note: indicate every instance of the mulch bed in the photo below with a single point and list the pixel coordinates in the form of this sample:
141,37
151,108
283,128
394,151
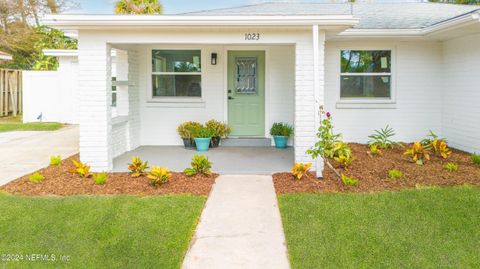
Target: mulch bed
371,171
60,181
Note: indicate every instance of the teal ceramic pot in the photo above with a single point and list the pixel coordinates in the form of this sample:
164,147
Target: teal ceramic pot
202,144
280,141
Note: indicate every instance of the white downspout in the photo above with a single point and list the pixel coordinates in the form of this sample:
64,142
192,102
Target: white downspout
316,90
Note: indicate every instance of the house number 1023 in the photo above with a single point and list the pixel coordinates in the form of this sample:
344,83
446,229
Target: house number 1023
252,36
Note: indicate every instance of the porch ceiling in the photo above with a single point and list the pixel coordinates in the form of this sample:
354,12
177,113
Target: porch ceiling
225,160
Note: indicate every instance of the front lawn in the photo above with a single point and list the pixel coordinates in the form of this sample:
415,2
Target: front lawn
98,232
423,228
15,124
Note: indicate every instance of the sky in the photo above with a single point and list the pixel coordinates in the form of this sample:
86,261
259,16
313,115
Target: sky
180,6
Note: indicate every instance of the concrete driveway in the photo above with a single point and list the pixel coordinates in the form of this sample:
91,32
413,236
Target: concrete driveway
25,152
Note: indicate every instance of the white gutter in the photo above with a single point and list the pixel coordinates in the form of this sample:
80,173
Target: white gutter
6,57
451,24
98,21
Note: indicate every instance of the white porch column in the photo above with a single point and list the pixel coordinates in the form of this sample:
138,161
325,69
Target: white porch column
95,99
309,88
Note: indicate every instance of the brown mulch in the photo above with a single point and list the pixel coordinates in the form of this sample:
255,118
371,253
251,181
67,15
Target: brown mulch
60,181
371,171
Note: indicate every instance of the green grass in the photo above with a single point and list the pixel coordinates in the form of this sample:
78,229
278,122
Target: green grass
427,228
15,124
99,232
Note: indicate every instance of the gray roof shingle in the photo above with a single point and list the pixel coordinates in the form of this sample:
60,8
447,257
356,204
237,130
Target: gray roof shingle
371,15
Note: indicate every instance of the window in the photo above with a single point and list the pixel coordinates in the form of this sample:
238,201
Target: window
366,74
114,93
176,73
246,75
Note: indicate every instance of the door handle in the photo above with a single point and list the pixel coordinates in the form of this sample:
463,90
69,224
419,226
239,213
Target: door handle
230,98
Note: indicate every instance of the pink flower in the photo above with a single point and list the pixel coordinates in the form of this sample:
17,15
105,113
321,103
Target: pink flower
328,114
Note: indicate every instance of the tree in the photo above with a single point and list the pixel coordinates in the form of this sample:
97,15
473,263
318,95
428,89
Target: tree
462,2
138,7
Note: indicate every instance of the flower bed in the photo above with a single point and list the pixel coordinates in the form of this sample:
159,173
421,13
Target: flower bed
59,180
372,173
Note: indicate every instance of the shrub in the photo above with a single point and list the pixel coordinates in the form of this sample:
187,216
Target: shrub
186,129
475,158
81,169
419,153
451,167
395,174
200,164
218,129
159,175
330,144
382,138
137,167
349,181
100,178
202,132
281,129
36,177
300,170
55,160
438,145
374,150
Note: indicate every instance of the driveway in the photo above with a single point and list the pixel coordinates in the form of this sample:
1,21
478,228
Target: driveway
25,152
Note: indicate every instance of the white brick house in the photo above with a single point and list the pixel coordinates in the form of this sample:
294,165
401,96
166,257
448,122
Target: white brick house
422,74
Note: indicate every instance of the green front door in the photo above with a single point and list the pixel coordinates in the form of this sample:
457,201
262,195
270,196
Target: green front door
246,93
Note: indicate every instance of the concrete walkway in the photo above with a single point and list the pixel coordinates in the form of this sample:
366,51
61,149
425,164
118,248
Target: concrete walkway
25,152
240,227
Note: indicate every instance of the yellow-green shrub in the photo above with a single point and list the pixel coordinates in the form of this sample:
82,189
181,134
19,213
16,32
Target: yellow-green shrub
100,178
395,174
81,169
349,181
419,153
451,167
159,175
55,160
36,177
200,164
300,170
137,167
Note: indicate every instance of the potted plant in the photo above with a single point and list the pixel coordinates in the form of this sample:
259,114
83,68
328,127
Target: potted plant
218,130
186,130
203,136
281,131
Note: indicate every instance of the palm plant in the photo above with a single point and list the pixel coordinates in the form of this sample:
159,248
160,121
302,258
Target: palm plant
138,7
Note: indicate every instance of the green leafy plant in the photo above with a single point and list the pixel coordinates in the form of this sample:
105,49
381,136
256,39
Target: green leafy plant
202,132
100,178
395,174
36,177
218,129
55,160
349,181
159,175
299,170
475,158
451,167
441,148
81,169
186,130
330,144
281,129
374,150
137,167
427,142
200,165
382,138
419,153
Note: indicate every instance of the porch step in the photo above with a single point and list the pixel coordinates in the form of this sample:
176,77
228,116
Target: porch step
246,142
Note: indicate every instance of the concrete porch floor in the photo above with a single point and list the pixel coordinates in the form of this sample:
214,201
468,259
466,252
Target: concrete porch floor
225,160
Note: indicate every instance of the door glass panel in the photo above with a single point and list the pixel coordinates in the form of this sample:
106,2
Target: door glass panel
246,75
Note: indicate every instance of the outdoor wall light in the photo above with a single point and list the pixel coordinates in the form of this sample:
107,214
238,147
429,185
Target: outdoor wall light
214,59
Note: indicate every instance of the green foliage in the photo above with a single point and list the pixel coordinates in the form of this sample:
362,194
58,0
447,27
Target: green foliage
459,2
137,167
200,165
299,170
395,174
202,132
138,7
382,138
349,181
374,150
36,177
281,129
159,175
81,169
475,158
451,167
438,145
187,129
55,160
100,178
330,144
218,129
419,153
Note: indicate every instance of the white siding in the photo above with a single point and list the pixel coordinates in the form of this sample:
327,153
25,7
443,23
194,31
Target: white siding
417,77
461,96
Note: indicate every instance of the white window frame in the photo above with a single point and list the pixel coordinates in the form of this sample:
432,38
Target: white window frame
367,102
173,99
